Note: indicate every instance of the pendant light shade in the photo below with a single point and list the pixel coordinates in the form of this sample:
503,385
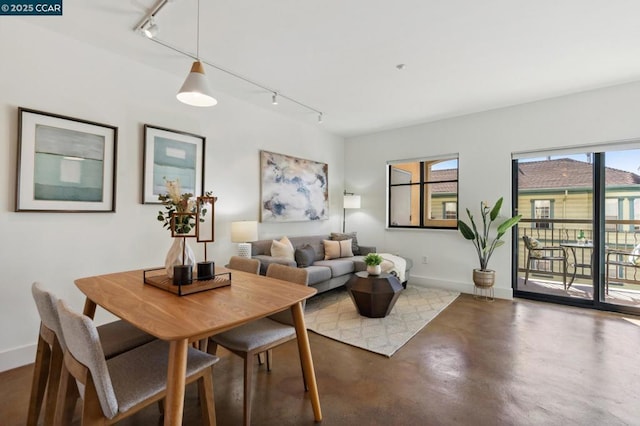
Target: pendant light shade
195,91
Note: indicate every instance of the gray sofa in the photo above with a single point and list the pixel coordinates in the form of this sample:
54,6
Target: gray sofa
324,275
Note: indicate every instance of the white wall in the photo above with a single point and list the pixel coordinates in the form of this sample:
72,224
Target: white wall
484,142
49,72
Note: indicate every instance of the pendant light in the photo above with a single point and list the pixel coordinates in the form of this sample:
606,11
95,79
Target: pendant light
195,91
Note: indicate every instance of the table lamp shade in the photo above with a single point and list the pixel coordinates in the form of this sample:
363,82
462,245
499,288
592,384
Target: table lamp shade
351,201
242,232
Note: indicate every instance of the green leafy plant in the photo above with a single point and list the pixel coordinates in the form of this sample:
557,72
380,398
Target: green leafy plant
373,259
183,203
484,244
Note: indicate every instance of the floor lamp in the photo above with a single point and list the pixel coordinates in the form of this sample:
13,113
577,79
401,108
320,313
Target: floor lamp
242,232
351,201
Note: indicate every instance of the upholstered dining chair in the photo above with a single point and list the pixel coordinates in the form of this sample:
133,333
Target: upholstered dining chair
116,337
244,264
261,335
536,251
119,387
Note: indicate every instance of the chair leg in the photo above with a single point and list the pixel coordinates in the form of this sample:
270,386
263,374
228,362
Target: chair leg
207,404
260,358
57,359
67,398
526,274
39,381
269,358
248,383
212,347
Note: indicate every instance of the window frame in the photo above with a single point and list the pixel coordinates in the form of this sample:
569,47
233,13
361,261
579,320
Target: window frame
423,185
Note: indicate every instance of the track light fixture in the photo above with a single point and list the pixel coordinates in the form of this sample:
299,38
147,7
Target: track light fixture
195,91
150,29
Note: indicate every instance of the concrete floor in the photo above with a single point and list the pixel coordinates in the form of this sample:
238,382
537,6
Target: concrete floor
477,363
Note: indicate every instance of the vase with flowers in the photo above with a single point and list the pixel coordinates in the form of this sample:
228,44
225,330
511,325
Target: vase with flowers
179,216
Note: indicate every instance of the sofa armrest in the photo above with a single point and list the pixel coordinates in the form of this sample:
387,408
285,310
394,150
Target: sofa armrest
365,250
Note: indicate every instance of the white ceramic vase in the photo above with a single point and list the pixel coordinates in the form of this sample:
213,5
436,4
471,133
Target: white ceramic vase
374,269
174,256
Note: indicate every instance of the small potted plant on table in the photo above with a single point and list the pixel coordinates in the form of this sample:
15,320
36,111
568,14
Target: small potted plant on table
373,261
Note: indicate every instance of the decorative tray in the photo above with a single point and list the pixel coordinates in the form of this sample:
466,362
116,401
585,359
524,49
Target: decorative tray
158,278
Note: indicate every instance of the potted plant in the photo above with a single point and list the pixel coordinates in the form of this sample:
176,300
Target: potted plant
373,261
484,244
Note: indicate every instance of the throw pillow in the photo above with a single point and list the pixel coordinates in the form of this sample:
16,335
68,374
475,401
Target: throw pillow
355,248
282,248
305,256
337,249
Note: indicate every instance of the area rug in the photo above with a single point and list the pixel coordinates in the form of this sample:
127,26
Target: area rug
333,314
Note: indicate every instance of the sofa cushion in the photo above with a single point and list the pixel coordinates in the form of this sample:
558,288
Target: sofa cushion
265,261
337,249
305,256
336,236
338,267
317,274
282,248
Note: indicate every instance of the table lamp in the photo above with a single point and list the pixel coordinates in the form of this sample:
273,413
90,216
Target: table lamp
243,232
351,201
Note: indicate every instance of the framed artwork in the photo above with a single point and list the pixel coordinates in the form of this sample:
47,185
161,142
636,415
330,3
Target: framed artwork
171,155
292,189
65,164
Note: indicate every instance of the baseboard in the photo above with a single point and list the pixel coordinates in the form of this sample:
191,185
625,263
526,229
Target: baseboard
17,357
499,293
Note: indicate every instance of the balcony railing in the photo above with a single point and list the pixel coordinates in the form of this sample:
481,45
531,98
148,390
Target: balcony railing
621,237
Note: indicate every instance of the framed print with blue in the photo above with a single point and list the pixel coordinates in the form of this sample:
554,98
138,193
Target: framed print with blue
65,164
171,155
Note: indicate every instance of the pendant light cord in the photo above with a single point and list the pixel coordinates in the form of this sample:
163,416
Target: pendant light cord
198,33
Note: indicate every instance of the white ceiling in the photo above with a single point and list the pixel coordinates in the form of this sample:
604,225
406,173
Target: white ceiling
340,56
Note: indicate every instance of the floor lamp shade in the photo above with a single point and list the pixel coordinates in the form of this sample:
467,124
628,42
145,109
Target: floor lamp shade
242,232
195,91
351,201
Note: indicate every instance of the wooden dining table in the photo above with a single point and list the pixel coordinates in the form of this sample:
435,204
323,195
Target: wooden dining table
181,320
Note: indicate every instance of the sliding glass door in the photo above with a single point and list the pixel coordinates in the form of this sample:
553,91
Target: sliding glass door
580,227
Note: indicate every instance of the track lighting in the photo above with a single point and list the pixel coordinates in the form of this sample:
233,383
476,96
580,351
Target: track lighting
150,29
195,90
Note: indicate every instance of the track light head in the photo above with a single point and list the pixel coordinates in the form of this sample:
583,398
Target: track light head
319,118
274,98
150,30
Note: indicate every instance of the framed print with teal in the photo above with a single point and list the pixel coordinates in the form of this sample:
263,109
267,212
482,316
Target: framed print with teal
65,164
171,155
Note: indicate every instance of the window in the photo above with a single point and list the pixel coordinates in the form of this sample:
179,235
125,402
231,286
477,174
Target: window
542,210
611,213
423,194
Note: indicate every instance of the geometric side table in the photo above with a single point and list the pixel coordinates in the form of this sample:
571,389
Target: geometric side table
374,295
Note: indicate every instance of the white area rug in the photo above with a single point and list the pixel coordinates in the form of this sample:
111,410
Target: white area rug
333,314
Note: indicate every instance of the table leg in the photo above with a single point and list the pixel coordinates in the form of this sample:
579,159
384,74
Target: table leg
305,358
176,373
89,308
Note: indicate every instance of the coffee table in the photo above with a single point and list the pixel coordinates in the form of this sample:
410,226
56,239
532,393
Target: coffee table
374,295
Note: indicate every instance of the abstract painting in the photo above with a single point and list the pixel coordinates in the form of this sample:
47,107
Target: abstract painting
171,155
293,189
65,164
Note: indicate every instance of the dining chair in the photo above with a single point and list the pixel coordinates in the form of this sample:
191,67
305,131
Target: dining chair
261,335
244,264
538,252
116,388
116,337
